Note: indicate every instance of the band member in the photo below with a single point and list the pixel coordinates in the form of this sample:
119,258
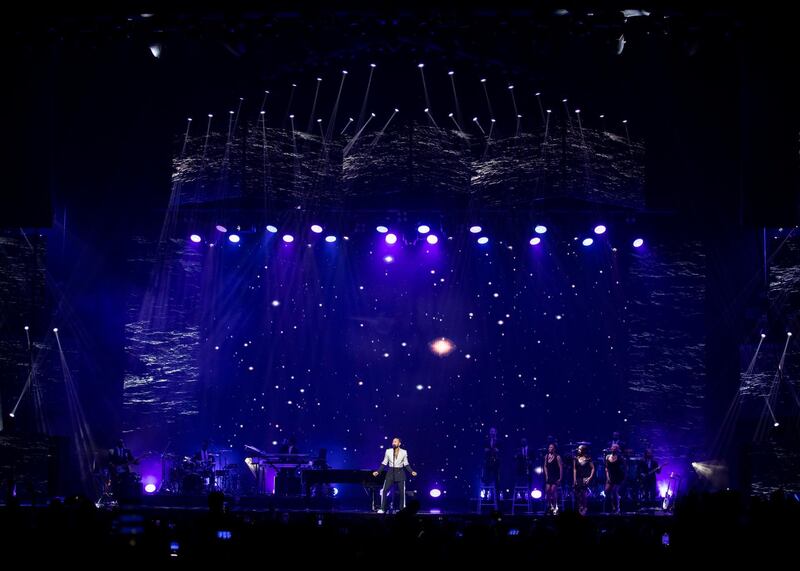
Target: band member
647,469
615,476
204,462
288,446
395,463
120,459
553,471
491,461
582,473
524,465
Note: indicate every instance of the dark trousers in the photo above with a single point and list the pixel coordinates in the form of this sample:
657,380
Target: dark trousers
392,478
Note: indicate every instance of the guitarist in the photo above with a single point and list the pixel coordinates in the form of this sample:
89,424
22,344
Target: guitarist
648,468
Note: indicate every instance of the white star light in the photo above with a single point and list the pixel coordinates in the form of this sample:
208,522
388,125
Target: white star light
442,346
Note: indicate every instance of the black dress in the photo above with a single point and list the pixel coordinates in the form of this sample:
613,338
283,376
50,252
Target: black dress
553,470
616,472
582,471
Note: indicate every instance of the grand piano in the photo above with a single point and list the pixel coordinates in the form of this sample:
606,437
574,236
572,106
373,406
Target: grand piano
364,478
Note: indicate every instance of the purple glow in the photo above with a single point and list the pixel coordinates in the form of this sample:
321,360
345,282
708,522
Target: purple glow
436,493
483,240
539,229
388,259
221,228
536,494
330,239
150,488
432,239
587,242
599,229
272,229
288,238
195,238
316,229
423,229
475,229
382,229
535,241
638,243
234,238
391,239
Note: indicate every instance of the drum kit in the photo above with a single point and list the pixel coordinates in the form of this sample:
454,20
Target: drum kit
190,475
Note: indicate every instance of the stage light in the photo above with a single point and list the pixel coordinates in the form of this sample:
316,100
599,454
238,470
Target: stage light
475,229
599,229
536,241
638,243
423,229
316,229
420,65
55,329
271,228
442,346
451,73
335,491
420,387
221,228
432,239
344,72
330,239
150,488
234,238
587,242
436,493
762,335
382,229
388,259
27,328
372,65
391,238
155,49
275,303
288,238
536,494
776,424
540,229
511,87
788,333
483,80
483,240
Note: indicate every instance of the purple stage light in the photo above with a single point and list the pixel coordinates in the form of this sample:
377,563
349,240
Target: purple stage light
271,228
391,239
316,229
221,228
535,241
330,239
475,229
234,238
195,238
599,229
288,238
432,239
540,229
382,229
536,494
150,488
388,259
436,493
423,229
483,240
638,243
587,242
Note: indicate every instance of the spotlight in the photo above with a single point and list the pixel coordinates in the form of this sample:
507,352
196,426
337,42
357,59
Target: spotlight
451,73
788,333
55,329
155,49
638,243
587,242
475,229
436,493
319,79
330,239
316,229
483,80
288,238
535,241
344,72
391,238
776,424
536,494
234,238
27,328
372,65
271,228
382,229
423,229
420,65
195,238
150,488
221,228
599,229
442,346
762,335
335,491
483,240
539,229
432,239
511,87
388,259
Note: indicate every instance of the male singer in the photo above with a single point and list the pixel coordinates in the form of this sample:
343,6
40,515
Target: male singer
395,463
